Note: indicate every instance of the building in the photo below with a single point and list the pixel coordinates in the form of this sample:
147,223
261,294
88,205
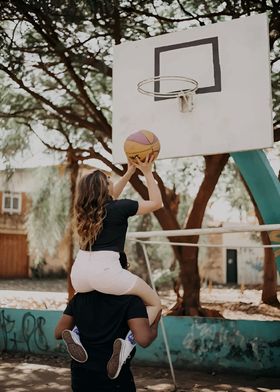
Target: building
16,260
14,256
239,260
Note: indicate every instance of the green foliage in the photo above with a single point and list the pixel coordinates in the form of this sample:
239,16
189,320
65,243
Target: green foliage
48,215
13,138
231,188
12,142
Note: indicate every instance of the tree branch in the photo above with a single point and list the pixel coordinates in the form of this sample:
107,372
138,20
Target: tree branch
51,147
189,13
52,39
66,114
42,66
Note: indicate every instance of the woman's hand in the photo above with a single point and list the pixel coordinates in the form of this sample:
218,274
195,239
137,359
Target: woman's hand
146,166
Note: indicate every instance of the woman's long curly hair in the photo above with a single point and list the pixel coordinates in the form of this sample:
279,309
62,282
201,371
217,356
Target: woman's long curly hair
92,195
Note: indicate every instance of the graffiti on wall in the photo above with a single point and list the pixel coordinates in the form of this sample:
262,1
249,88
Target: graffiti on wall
30,336
31,332
226,342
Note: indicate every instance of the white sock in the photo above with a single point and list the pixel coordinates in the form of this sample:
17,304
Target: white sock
130,338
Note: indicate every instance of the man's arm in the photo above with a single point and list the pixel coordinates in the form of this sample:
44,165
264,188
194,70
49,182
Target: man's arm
144,334
65,322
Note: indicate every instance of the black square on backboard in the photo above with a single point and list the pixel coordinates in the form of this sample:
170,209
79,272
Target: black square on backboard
216,64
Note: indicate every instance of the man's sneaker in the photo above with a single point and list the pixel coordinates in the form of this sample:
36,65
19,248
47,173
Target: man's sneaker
121,350
74,346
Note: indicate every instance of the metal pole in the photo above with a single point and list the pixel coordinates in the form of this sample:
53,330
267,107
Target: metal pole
161,320
208,230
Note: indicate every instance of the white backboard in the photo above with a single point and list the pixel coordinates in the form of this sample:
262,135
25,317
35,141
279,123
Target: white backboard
232,107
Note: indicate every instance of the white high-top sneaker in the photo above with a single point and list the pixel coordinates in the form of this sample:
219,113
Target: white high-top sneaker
74,345
121,350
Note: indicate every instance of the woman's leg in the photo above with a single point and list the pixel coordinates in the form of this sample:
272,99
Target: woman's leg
149,297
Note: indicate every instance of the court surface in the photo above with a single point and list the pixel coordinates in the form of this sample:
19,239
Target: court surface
20,373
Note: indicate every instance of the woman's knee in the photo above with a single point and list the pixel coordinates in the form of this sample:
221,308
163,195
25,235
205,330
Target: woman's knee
146,293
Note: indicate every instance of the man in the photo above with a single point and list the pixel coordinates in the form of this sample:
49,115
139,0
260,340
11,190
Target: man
103,319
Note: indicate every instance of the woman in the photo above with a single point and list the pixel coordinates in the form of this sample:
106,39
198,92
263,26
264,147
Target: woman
101,222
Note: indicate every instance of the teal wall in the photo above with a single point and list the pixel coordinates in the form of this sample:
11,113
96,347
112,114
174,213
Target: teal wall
218,344
213,344
30,331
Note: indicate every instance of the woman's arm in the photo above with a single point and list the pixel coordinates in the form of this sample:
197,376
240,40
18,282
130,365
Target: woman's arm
119,185
155,200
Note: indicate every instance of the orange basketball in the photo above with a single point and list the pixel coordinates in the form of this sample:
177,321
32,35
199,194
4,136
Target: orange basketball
141,144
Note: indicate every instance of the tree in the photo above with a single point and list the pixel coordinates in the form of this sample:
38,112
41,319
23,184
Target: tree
56,68
49,210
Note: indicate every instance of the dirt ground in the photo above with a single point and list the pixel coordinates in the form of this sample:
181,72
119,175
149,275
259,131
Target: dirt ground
25,373
19,373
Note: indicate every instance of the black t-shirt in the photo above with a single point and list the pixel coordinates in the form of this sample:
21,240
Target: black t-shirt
112,235
101,318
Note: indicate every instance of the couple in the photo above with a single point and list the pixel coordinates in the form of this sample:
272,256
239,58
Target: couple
101,221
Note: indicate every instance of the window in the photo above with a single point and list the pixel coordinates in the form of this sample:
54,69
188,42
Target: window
11,202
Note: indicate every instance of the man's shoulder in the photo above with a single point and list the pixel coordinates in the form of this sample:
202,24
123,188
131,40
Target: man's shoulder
133,298
128,299
97,295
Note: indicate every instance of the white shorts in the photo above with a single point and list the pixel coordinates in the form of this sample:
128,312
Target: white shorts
101,271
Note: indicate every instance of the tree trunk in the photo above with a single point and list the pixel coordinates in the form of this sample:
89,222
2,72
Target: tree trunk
190,279
73,169
269,291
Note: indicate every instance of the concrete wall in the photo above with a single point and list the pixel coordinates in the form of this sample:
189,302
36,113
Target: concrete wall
247,346
213,261
249,260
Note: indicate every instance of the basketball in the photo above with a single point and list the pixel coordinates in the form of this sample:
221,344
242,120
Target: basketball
141,144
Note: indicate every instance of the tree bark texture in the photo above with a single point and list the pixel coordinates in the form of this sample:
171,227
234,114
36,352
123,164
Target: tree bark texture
269,290
73,168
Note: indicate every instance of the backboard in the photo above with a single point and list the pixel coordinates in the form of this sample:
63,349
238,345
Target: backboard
232,106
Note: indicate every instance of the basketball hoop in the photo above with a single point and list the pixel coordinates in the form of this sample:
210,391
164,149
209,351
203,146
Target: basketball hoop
184,95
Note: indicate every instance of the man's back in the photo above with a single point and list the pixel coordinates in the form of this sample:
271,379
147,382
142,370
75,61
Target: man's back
102,318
